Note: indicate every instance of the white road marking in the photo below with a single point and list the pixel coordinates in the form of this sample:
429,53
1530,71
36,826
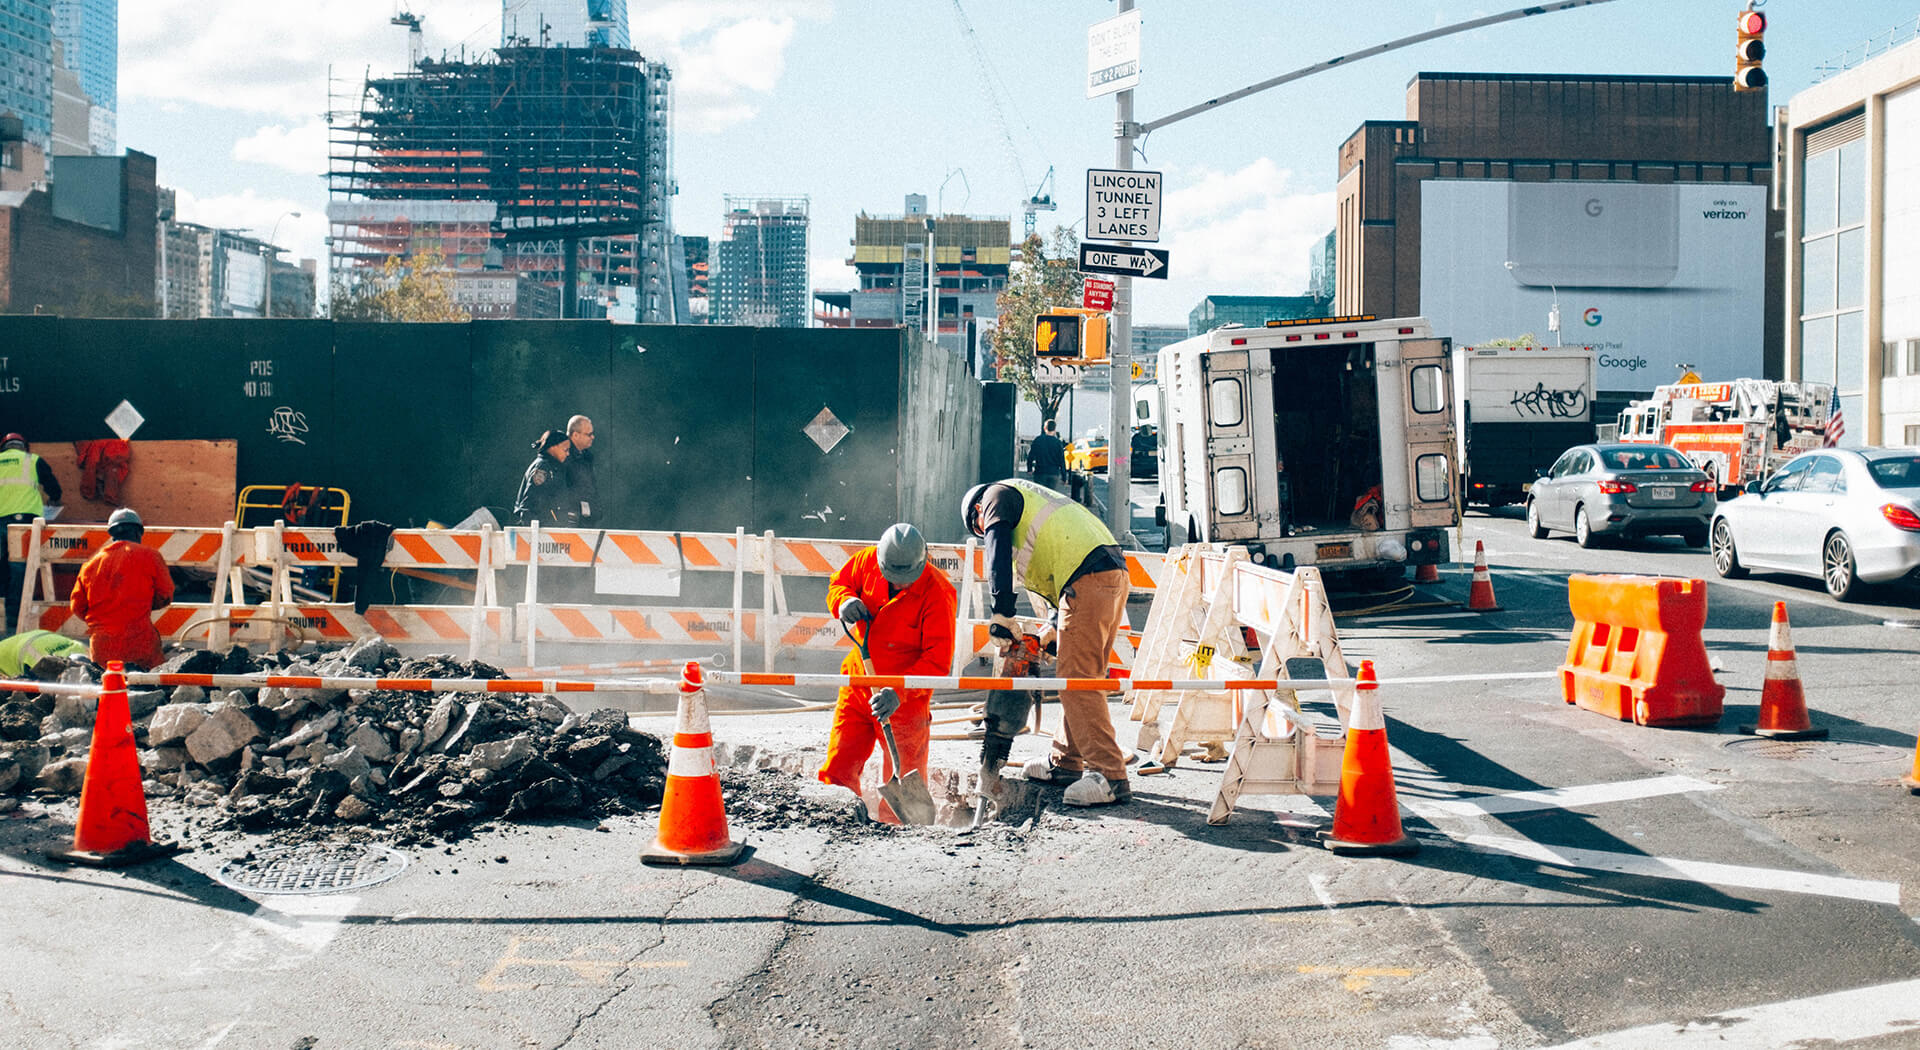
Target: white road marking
1320,891
1874,1012
283,934
1690,870
1561,798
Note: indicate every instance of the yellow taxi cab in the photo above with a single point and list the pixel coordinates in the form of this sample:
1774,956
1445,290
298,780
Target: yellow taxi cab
1088,455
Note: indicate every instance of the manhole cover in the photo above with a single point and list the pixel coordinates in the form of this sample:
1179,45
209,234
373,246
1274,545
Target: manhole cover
1843,752
320,868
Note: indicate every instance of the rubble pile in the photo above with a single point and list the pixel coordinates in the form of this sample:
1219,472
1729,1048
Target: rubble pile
415,767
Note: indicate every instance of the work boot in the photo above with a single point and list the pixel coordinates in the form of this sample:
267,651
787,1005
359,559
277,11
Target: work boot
1042,770
1092,789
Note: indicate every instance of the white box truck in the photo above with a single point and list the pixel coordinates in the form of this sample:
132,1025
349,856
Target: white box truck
1518,408
1277,438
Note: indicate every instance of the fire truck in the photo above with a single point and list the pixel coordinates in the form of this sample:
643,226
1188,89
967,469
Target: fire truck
1737,431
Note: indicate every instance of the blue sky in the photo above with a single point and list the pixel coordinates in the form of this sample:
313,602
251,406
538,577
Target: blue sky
856,103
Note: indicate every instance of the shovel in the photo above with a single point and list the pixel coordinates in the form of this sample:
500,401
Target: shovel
907,795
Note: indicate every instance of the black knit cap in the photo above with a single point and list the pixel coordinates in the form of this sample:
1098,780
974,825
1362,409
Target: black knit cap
550,438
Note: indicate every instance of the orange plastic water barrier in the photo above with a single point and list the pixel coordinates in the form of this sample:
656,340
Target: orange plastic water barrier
1636,652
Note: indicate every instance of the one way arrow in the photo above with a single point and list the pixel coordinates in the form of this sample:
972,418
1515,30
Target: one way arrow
1123,260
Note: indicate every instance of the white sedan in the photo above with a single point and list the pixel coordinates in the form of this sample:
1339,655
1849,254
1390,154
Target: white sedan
1846,517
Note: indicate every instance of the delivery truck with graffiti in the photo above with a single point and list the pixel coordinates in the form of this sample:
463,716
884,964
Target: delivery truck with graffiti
1518,408
1324,442
1737,431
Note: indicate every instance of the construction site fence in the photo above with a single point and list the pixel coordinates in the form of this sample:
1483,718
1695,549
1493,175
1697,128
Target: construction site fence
655,565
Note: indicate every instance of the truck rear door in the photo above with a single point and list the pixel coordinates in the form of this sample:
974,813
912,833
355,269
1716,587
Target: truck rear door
1428,395
1229,421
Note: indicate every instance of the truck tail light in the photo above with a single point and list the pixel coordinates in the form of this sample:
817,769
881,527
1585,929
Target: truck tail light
1616,488
1702,486
1901,517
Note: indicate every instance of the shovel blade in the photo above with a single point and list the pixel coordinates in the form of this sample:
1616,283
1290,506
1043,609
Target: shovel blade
910,799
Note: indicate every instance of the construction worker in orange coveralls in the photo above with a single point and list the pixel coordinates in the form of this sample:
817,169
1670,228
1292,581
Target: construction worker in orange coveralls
904,608
118,590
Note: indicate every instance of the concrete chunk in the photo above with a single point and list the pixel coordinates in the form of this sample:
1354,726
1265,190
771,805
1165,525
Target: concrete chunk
306,734
371,742
499,754
173,722
226,730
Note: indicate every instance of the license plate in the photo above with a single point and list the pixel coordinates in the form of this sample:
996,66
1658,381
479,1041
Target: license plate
1663,491
1332,551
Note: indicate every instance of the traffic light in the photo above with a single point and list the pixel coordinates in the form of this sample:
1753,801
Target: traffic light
1070,334
1748,52
1056,335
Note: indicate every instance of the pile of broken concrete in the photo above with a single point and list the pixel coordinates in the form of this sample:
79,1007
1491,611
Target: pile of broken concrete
412,766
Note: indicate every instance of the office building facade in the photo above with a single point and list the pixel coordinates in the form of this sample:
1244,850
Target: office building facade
26,67
760,273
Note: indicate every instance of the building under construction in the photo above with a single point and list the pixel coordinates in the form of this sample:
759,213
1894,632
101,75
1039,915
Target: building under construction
761,276
570,146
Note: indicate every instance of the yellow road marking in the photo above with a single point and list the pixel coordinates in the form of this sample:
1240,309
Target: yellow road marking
592,965
1358,979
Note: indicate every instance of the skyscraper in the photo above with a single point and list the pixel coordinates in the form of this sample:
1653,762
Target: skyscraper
761,276
26,67
567,23
90,32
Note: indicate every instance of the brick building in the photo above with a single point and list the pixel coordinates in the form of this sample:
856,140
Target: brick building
85,247
1612,199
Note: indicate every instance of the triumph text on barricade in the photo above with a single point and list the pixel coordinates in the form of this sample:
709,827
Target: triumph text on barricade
1123,205
1123,260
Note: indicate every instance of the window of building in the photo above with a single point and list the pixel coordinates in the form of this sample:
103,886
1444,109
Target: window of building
1912,435
1833,266
1890,359
1913,357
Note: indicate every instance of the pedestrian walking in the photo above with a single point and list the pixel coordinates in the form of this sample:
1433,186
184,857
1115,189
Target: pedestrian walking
904,608
118,591
1047,457
543,495
1043,542
582,494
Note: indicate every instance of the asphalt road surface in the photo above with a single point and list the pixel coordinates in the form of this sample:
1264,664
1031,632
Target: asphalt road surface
1581,882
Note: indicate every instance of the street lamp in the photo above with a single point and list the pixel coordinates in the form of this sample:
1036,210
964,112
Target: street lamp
1553,315
272,253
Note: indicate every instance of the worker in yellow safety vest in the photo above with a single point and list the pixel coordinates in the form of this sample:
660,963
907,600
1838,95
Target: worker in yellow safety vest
20,652
1045,543
27,485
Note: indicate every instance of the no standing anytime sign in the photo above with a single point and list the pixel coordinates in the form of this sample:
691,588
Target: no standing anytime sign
1123,205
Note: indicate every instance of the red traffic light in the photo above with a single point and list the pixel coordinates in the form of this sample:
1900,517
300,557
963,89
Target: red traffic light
1752,23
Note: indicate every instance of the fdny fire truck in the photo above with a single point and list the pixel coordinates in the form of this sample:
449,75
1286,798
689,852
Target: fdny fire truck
1737,431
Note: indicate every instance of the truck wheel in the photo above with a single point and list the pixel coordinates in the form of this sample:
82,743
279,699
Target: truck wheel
1583,529
1534,528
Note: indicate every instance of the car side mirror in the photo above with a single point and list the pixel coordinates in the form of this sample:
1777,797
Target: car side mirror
1539,472
1751,486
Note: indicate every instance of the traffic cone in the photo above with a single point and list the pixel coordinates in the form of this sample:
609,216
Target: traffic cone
1912,780
1480,595
1428,573
1783,704
693,819
1366,816
111,830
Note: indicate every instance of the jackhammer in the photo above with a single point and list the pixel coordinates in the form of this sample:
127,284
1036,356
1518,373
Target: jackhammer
1007,712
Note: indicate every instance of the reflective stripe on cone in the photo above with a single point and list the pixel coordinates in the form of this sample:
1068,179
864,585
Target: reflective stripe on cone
693,816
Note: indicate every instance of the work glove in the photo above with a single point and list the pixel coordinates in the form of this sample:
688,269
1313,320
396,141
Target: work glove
1003,632
885,703
853,611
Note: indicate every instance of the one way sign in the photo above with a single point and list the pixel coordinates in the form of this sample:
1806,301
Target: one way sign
1123,260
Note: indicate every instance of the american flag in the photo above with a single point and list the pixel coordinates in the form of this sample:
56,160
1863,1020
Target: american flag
1836,426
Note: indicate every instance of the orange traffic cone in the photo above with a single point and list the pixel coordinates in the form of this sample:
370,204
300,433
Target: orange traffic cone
111,830
1783,704
1480,595
1428,573
1366,816
693,819
1912,780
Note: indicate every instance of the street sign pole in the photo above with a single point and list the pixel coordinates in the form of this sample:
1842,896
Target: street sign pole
1120,348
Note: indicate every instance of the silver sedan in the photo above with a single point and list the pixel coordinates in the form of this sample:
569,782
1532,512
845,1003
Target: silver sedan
1846,517
1594,491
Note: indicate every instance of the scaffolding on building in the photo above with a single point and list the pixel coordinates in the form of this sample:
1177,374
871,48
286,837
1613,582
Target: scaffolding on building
570,146
761,276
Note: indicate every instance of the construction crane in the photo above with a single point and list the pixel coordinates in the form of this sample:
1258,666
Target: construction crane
1042,198
416,44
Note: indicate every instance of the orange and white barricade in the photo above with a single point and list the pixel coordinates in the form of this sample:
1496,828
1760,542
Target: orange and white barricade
41,546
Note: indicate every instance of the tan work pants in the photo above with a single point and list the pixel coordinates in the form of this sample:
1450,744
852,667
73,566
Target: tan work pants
1091,612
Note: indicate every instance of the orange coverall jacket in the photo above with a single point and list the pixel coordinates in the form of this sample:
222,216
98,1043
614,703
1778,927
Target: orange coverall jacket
911,633
118,590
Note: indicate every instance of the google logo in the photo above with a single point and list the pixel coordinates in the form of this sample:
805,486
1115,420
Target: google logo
1591,316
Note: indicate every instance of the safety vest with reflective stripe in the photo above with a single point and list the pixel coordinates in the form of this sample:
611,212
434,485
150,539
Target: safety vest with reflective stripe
20,483
21,651
1054,536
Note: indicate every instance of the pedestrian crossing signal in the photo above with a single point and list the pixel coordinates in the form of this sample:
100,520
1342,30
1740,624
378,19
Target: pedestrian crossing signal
1748,52
1065,333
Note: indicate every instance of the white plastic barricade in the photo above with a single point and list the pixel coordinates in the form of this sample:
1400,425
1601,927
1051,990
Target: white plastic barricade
41,546
1199,627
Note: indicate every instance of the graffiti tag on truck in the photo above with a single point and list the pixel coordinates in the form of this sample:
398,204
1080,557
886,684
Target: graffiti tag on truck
1556,404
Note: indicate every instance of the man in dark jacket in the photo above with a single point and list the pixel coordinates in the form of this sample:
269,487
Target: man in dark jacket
581,493
1047,458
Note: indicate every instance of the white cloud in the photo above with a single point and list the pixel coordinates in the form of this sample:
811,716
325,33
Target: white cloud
1243,232
301,150
302,235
